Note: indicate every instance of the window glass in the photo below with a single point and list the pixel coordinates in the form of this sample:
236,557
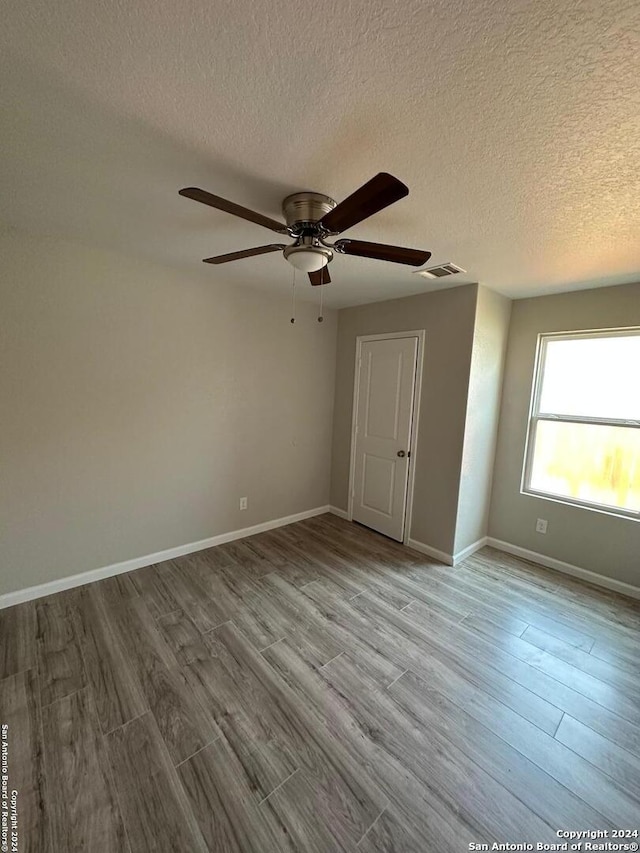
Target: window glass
588,462
592,377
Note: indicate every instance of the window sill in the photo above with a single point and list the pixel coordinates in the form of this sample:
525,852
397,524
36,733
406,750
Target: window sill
602,510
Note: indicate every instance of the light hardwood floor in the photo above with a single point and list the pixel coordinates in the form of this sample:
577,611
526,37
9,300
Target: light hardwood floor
320,688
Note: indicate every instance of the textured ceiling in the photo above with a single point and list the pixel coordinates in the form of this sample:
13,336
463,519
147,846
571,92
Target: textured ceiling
515,124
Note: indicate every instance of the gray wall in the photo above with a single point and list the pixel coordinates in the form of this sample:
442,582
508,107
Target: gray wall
447,317
138,404
483,411
592,540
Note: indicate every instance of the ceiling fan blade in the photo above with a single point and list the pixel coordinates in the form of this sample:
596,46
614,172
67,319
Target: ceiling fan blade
380,252
375,195
320,276
245,253
235,209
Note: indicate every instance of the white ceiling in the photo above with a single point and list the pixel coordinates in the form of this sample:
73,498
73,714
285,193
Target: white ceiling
515,124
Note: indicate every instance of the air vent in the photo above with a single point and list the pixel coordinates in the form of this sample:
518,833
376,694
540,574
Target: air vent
441,271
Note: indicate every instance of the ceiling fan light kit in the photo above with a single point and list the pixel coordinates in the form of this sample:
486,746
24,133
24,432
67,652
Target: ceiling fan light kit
308,257
310,218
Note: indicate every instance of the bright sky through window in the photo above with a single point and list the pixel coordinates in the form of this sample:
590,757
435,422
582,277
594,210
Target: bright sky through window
593,377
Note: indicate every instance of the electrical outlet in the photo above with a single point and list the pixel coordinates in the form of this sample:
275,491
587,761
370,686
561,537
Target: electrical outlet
541,525
243,503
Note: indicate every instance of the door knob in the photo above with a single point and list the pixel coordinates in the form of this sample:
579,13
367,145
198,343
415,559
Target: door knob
401,453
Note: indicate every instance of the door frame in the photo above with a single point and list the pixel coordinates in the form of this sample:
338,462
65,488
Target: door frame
417,393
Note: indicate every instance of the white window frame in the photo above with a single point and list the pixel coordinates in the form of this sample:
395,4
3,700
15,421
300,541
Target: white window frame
535,416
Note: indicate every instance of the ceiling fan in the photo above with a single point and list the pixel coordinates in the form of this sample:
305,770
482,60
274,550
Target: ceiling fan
311,218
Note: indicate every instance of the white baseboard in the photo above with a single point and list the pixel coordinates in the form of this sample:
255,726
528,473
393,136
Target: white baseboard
447,559
441,556
32,592
566,568
469,550
341,513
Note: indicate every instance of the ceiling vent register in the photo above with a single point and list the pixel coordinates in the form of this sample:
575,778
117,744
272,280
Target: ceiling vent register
441,271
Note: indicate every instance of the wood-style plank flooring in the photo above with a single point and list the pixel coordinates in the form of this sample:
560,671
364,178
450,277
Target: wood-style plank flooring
321,688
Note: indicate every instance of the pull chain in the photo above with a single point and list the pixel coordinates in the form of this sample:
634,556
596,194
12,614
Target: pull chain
293,297
321,318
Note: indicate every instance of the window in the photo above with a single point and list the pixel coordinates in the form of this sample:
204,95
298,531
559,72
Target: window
583,445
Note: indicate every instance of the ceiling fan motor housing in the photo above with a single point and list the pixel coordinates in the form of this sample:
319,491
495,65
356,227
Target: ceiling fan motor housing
303,210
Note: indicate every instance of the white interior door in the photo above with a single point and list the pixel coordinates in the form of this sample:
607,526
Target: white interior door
385,395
